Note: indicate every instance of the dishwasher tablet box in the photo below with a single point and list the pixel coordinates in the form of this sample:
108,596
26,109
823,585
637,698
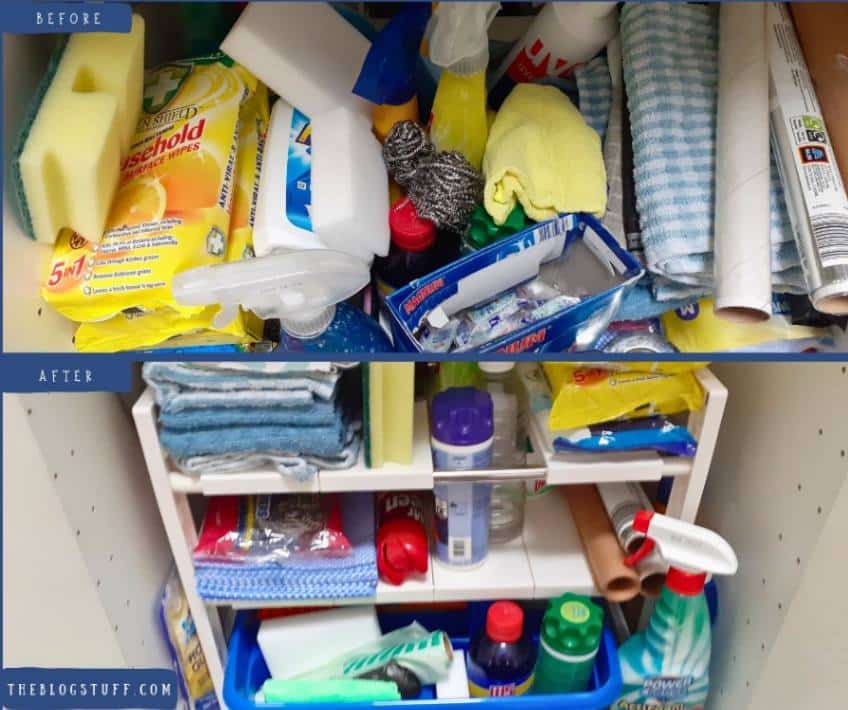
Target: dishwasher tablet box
573,250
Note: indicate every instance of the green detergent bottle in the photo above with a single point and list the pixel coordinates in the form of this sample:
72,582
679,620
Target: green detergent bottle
666,666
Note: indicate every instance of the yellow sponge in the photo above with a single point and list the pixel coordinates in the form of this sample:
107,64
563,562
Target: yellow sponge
391,404
69,161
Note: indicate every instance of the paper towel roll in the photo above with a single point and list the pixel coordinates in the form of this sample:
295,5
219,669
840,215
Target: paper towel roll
615,580
742,243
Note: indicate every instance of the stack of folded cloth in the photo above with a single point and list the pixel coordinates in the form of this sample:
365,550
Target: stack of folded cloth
232,417
351,576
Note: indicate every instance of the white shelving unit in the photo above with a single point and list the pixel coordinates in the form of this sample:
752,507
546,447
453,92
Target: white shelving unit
547,560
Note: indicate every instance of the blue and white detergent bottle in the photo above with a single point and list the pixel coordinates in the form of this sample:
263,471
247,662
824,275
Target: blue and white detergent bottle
666,666
306,290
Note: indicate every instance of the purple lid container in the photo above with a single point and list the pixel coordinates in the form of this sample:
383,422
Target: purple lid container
462,416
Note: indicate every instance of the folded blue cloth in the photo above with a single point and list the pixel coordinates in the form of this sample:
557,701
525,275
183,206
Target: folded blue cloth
179,385
594,89
301,467
670,59
324,440
349,577
317,413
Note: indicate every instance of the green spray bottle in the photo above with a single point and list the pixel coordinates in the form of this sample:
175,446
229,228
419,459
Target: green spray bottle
666,666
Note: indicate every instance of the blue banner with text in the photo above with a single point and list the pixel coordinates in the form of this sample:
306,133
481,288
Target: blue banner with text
65,373
59,688
27,17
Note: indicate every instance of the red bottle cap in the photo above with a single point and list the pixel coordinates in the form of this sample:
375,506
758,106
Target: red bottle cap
504,622
409,231
402,550
685,584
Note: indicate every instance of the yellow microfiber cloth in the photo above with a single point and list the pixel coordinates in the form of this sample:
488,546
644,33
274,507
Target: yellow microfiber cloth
542,154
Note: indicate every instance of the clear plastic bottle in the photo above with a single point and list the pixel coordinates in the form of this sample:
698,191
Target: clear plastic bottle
508,450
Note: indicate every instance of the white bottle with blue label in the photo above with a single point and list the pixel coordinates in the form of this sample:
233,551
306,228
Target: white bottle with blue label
336,199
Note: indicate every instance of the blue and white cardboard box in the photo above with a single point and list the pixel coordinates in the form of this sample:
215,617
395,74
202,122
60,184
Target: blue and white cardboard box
573,328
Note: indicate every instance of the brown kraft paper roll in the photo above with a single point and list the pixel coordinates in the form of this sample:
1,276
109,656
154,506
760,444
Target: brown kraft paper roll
615,580
822,29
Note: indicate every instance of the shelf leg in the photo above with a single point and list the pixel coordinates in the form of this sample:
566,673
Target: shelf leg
182,537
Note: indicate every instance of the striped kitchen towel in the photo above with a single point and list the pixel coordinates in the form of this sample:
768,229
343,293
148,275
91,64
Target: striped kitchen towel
670,57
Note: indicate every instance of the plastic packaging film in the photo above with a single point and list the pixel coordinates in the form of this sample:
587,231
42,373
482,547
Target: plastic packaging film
616,581
815,195
821,28
622,501
742,242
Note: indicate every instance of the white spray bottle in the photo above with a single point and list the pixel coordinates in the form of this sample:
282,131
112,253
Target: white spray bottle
667,665
306,290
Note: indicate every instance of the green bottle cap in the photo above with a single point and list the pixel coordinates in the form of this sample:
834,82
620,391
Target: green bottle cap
482,230
572,625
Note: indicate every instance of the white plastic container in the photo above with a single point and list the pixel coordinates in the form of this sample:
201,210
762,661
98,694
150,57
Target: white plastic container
324,185
306,52
292,645
283,207
563,36
350,185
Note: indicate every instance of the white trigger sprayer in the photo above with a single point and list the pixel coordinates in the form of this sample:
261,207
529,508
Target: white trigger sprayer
692,551
301,288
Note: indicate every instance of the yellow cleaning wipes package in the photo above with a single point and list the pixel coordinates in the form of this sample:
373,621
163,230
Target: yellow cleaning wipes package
172,209
590,395
697,329
137,329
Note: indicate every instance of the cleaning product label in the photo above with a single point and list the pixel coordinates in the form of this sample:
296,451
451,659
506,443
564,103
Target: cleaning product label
462,522
480,686
803,145
661,693
299,172
172,209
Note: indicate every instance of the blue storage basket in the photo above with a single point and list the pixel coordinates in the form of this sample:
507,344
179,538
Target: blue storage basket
246,672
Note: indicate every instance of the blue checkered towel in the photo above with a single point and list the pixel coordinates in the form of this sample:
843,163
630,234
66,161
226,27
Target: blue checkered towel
671,74
349,577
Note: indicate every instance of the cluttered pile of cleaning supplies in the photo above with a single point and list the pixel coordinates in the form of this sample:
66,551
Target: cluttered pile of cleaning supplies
523,203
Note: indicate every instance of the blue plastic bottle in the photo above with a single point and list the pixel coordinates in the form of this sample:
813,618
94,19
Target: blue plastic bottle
349,331
501,659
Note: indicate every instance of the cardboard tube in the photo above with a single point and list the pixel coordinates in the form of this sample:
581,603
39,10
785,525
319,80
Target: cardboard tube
622,500
742,218
821,28
616,581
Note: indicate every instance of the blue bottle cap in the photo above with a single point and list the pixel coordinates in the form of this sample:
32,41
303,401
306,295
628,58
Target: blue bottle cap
462,416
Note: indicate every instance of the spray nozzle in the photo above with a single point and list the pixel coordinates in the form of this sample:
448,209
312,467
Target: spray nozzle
458,35
692,551
301,288
388,73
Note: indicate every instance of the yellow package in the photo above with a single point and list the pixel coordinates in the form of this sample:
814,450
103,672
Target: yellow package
697,329
172,209
135,329
590,395
255,115
667,368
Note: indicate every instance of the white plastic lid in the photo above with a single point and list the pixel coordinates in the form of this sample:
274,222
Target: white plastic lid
496,368
458,35
300,288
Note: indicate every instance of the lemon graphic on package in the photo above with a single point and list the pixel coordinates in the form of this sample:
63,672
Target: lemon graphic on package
137,202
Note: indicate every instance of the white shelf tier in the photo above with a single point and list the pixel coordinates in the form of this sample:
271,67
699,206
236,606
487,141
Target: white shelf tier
546,561
392,476
554,549
590,467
